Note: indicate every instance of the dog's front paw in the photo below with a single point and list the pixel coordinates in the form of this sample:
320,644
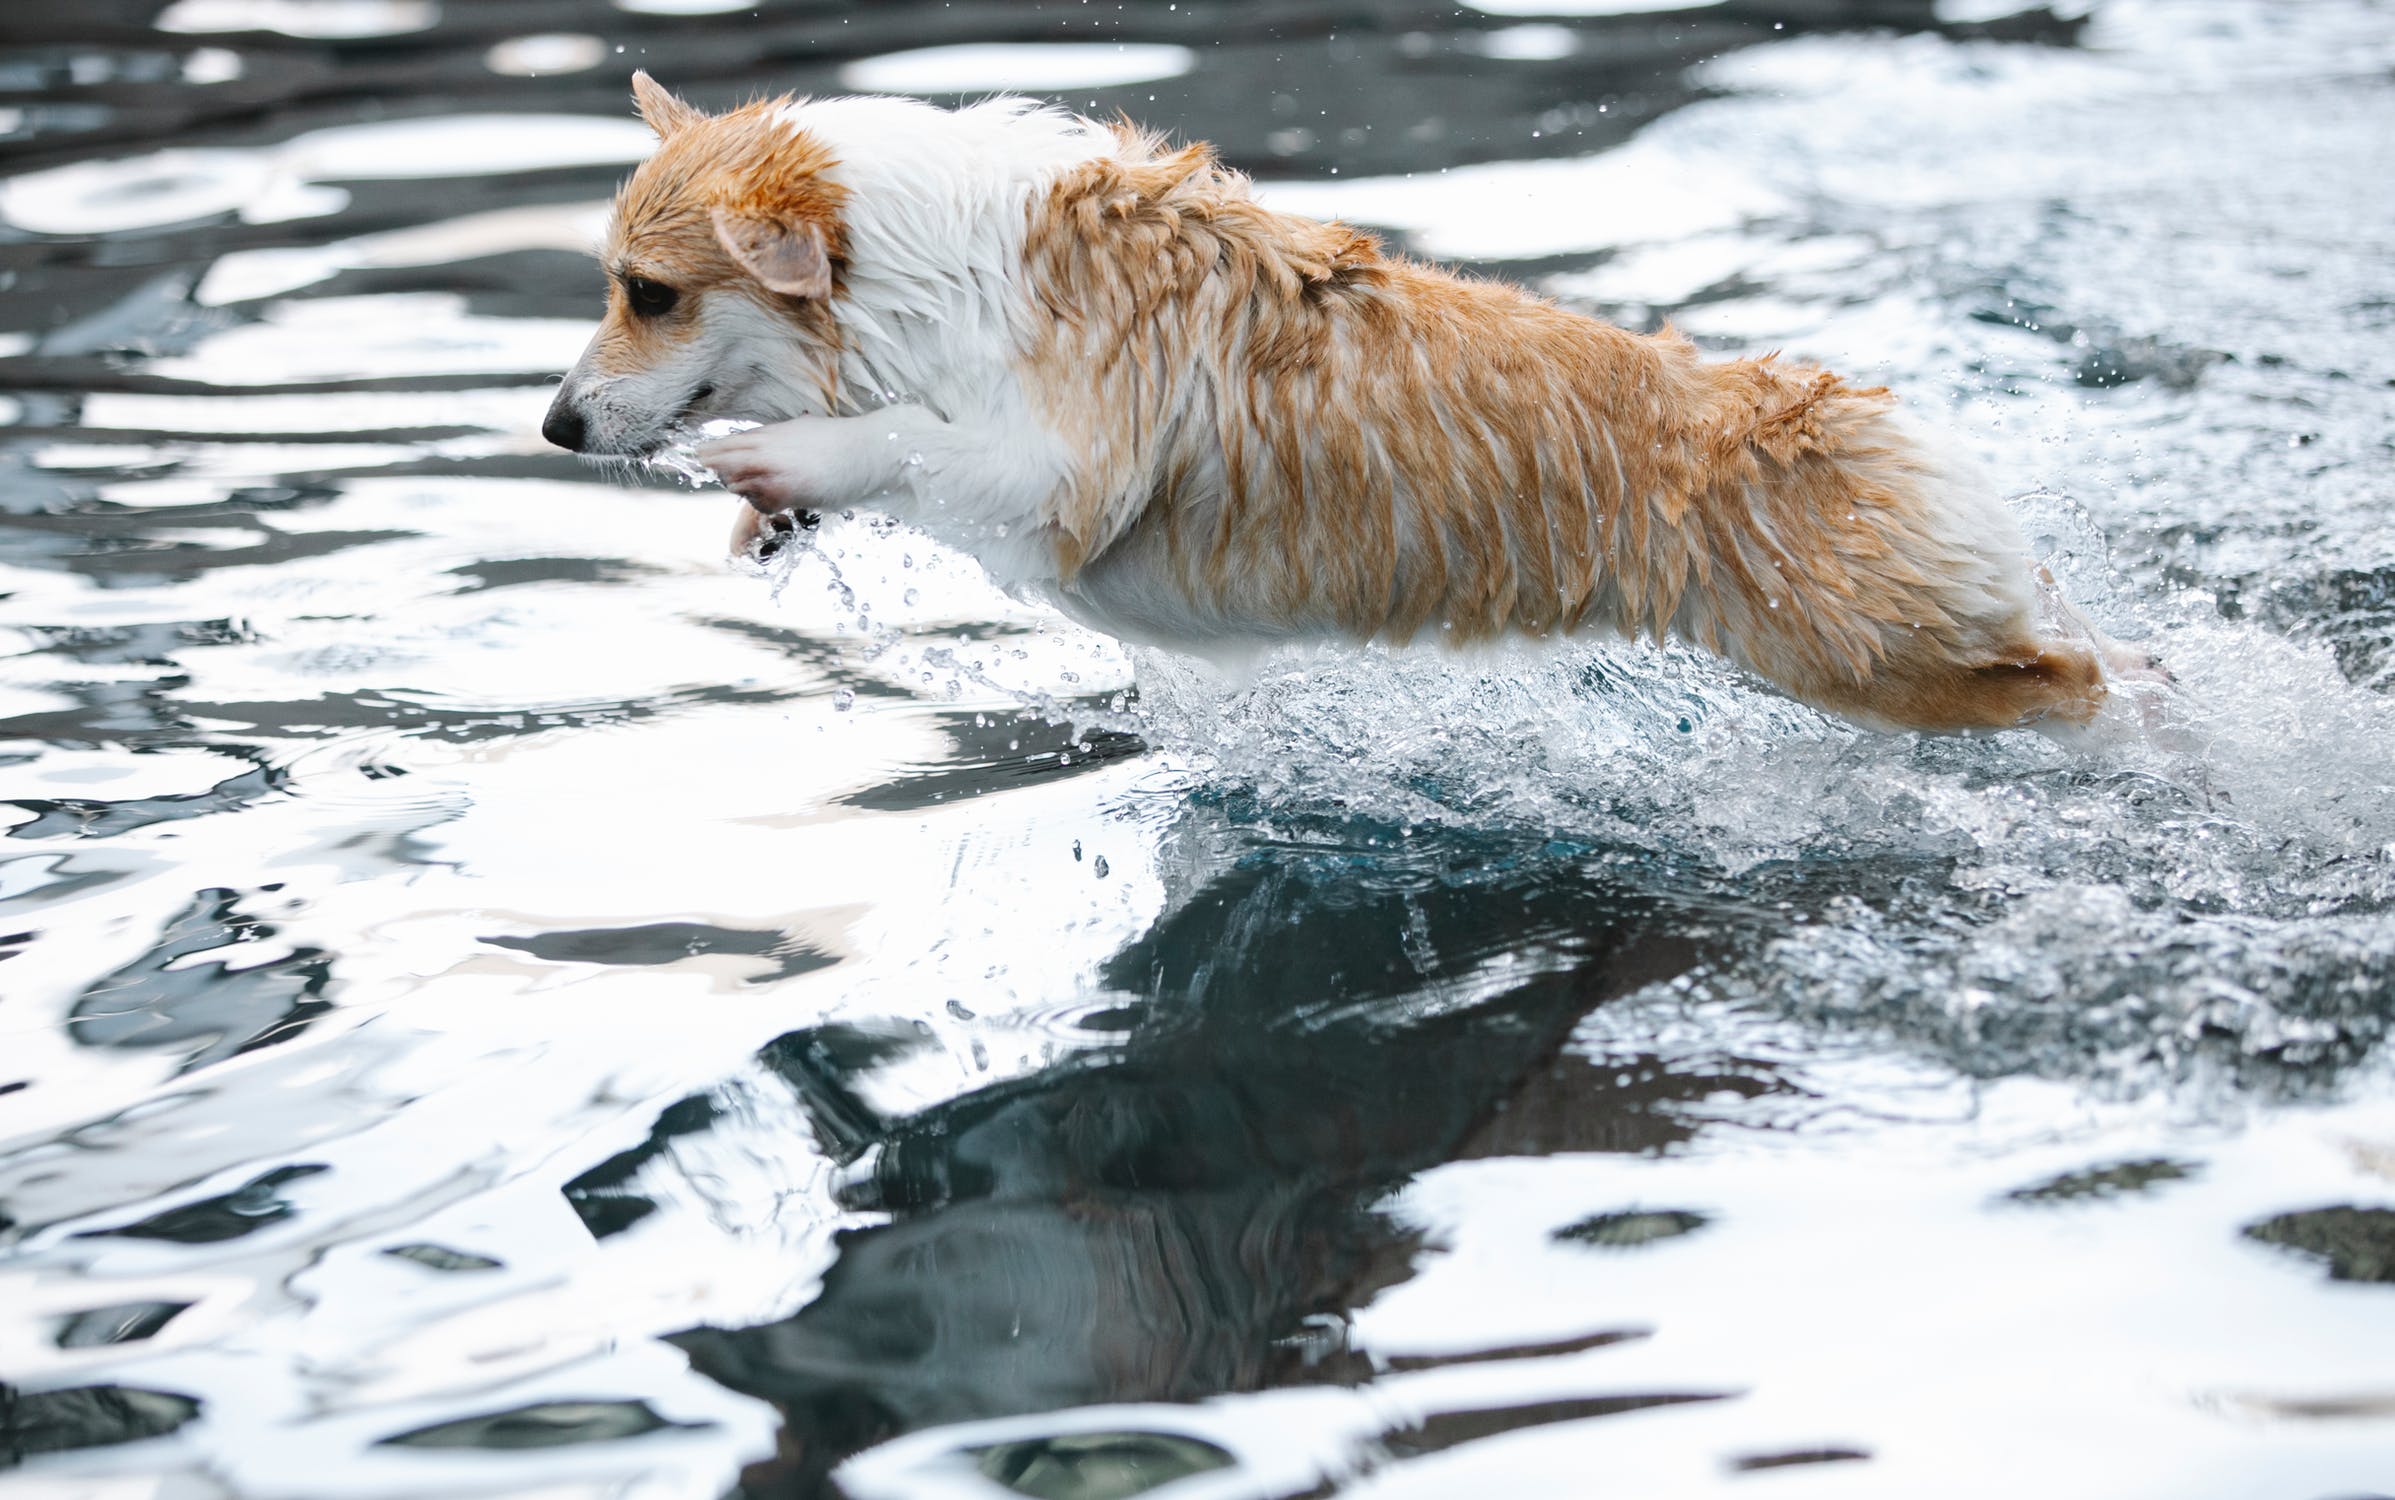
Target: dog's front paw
760,535
765,466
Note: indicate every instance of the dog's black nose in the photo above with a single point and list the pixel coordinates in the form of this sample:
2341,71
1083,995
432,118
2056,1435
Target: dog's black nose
563,426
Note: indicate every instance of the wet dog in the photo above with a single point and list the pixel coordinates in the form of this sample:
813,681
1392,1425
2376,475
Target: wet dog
1102,368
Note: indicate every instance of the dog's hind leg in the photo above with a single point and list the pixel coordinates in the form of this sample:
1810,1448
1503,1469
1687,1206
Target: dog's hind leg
2051,684
2126,662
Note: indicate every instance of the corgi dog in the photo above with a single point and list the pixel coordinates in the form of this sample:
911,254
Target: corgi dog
1098,365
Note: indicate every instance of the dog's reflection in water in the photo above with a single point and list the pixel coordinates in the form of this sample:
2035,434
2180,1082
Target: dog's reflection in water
1190,1212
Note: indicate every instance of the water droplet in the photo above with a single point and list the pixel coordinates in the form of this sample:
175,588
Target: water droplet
844,700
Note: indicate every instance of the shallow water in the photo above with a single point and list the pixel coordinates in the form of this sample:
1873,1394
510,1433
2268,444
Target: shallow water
497,1001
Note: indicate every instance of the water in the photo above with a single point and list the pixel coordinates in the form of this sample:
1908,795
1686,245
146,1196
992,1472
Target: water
499,1002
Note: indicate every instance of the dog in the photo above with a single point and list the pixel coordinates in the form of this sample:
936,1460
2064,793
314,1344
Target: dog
1097,364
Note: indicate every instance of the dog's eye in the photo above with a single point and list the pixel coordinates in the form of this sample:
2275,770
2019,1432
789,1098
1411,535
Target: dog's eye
650,299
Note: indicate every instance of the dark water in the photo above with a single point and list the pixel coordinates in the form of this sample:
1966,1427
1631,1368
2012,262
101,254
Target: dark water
494,1001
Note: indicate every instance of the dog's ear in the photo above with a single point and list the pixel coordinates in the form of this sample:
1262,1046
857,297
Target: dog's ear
664,113
786,255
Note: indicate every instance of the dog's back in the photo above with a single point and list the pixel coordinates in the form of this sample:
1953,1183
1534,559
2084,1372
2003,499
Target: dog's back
1284,431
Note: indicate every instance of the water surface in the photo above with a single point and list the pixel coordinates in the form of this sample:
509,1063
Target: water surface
498,1002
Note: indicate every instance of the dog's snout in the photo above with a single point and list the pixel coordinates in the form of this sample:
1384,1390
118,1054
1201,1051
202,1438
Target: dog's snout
564,425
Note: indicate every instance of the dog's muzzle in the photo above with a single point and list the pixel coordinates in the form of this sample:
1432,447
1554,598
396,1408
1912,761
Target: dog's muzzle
564,425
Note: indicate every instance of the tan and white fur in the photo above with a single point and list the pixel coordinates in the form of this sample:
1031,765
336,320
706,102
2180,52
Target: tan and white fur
1099,366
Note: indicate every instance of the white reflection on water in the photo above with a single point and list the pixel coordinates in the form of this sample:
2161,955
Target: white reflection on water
1645,192
1583,7
545,52
207,65
284,182
319,19
275,271
1529,43
387,336
573,816
1020,67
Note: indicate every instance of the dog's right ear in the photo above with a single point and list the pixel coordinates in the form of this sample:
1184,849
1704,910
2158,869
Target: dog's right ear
786,253
664,113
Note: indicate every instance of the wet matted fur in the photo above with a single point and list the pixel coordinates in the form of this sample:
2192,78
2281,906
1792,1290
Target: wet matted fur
1099,365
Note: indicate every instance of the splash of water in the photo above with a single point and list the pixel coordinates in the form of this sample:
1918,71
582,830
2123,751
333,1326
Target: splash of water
2209,899
680,458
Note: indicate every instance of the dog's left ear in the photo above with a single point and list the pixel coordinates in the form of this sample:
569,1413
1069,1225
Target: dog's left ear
662,112
790,256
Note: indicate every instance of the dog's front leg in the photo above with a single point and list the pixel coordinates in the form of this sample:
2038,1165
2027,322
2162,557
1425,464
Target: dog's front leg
986,487
824,463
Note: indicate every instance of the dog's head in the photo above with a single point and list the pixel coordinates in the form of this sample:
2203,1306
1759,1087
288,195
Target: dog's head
721,261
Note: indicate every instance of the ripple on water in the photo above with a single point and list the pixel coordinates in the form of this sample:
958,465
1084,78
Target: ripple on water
495,1002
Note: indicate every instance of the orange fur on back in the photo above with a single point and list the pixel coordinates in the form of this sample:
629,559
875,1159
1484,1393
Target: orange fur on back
1301,431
